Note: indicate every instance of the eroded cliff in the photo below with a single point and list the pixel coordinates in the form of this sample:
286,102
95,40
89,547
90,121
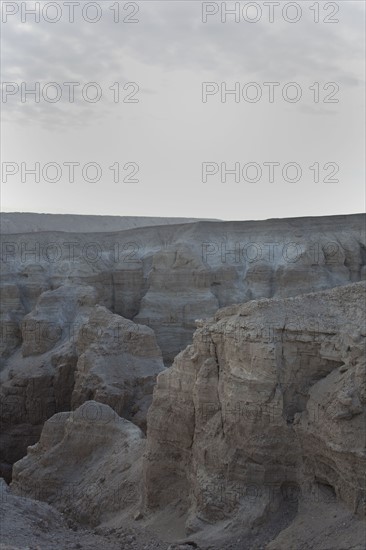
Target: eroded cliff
263,415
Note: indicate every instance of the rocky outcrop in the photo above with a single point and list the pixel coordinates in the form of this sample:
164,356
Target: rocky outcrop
117,365
38,379
56,318
264,413
166,275
255,434
179,290
11,312
161,276
87,463
73,350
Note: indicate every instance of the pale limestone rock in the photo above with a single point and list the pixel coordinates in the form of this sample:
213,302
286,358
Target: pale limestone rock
256,427
53,318
118,364
178,291
167,275
261,406
73,351
38,378
86,463
11,313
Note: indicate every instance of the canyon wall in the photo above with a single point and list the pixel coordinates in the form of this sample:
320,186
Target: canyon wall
265,410
167,276
255,436
73,350
141,284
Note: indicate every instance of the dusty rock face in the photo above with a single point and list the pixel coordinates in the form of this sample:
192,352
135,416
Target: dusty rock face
11,311
164,276
264,411
38,378
87,463
255,436
178,292
58,286
332,432
118,364
54,317
72,351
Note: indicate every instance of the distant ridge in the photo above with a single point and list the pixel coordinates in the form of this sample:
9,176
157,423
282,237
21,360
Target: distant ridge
31,222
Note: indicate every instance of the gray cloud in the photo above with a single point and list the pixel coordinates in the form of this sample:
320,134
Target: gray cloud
169,53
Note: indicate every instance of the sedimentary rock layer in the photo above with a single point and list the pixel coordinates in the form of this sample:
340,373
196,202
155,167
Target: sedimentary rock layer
265,410
87,463
163,277
167,276
255,435
73,350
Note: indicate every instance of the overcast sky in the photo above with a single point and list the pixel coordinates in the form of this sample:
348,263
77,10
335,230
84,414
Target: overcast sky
162,139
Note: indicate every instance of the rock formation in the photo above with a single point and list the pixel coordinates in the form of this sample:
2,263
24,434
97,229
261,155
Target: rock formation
265,410
257,424
255,434
86,463
73,350
117,365
179,290
167,275
164,277
38,378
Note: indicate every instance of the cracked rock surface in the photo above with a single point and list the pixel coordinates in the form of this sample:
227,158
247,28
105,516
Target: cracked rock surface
264,412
